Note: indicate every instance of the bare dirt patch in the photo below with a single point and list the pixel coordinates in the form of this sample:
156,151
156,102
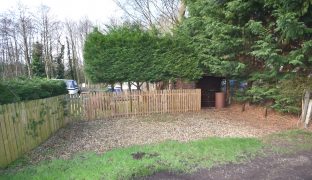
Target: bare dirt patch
138,155
286,167
286,155
104,135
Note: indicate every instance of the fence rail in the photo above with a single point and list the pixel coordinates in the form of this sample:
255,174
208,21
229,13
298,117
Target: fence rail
99,105
25,125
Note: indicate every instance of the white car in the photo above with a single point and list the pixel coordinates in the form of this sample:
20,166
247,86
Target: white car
72,86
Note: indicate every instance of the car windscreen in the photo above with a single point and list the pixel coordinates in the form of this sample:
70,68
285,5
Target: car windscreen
71,84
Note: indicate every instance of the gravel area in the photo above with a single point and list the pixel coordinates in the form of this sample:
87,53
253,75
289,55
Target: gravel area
104,135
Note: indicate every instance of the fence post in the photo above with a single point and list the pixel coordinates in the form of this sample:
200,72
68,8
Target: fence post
309,114
305,104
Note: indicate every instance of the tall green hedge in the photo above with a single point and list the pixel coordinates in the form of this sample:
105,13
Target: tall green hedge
29,89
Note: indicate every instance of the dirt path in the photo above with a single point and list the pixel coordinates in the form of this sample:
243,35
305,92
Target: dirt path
286,167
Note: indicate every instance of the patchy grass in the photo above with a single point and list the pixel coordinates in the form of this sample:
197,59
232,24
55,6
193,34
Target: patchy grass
136,161
174,156
289,141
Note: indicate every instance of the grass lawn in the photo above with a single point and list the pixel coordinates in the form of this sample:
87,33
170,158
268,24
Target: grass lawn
136,161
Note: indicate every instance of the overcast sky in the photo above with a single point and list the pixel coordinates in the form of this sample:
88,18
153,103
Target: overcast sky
95,10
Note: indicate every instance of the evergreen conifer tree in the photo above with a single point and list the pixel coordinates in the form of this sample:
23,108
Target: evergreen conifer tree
37,65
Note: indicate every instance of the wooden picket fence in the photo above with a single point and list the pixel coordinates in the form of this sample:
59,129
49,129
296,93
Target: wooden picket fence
25,125
103,105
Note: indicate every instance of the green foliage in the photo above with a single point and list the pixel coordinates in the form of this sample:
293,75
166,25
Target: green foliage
130,53
167,156
6,95
285,94
176,59
290,93
29,89
261,94
60,71
32,127
264,42
37,61
214,39
241,96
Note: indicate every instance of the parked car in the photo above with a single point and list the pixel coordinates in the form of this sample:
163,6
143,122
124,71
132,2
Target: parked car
72,86
116,89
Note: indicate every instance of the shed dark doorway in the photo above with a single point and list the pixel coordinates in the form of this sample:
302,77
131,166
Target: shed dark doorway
209,85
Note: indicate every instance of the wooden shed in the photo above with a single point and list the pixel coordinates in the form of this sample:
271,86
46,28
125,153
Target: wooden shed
209,85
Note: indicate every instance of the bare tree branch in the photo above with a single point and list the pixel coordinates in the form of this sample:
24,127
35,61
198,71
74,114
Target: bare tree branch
161,13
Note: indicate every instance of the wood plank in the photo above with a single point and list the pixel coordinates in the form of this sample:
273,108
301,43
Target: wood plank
4,157
10,133
51,112
28,118
12,120
24,126
21,119
13,129
5,136
17,128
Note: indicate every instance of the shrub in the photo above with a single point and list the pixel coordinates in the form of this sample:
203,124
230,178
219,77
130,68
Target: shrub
285,95
29,89
290,94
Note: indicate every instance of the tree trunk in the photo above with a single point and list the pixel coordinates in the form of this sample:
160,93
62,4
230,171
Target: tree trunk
16,55
129,86
244,107
147,86
138,86
121,86
70,60
228,93
75,60
170,85
52,71
26,53
249,86
182,10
